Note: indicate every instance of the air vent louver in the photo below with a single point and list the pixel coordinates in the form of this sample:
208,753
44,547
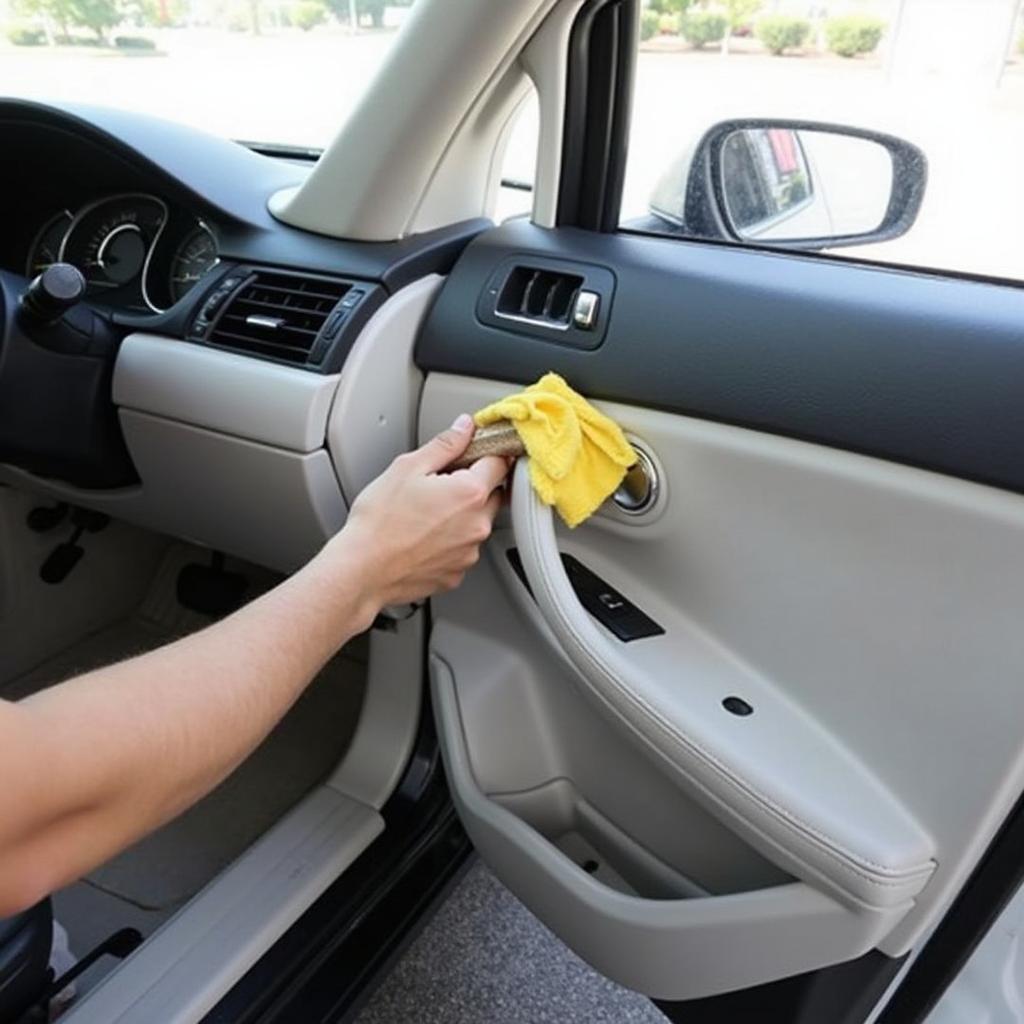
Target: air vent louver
277,315
540,296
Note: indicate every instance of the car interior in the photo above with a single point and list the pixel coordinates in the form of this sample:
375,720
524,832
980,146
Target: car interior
758,717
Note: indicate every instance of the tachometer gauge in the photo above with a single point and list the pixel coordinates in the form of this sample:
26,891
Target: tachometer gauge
195,257
45,248
110,242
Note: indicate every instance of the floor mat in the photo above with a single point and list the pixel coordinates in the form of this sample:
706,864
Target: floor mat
91,916
485,959
165,869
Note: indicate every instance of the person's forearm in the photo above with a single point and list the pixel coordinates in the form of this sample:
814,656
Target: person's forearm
119,751
92,765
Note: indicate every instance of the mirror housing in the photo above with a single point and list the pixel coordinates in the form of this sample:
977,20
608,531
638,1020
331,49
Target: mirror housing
718,189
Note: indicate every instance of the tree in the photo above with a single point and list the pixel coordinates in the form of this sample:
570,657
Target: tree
375,9
737,14
95,15
54,11
308,14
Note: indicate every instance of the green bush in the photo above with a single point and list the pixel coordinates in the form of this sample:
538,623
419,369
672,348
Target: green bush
668,24
649,24
703,27
670,6
855,34
307,14
134,43
25,34
780,33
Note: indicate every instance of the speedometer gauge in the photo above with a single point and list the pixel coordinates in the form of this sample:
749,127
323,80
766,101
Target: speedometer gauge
196,256
110,241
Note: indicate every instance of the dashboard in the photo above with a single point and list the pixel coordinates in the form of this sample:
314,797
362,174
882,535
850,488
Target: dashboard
137,252
223,363
153,212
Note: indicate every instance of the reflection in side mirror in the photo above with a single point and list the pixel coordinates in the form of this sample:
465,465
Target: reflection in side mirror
795,184
765,180
778,184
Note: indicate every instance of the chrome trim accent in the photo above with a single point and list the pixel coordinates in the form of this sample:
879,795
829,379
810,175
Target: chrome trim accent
585,309
532,321
270,322
641,485
96,203
127,226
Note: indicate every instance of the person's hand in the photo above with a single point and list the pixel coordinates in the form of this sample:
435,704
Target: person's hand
415,530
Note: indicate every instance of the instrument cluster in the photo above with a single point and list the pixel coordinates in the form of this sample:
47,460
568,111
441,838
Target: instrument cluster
135,252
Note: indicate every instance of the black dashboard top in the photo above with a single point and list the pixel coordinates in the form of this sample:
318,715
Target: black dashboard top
72,153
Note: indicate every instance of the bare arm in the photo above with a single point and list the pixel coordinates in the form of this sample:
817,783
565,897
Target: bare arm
95,763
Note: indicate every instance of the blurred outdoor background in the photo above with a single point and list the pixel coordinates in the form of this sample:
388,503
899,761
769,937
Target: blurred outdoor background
947,75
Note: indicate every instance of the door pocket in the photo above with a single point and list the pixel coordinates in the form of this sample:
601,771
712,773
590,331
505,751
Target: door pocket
685,922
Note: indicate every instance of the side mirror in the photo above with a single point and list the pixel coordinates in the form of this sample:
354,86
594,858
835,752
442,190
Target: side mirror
796,184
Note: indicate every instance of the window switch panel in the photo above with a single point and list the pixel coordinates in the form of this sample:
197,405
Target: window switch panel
612,609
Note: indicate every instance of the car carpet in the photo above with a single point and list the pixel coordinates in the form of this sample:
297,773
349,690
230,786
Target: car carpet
483,958
165,869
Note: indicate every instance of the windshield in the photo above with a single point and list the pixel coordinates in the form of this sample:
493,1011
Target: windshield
266,71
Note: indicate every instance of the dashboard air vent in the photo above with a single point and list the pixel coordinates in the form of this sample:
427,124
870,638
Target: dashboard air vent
539,295
278,315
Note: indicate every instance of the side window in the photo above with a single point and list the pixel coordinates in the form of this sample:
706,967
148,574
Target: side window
890,130
518,166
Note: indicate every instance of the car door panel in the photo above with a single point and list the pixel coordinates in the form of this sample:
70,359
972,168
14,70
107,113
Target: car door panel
864,609
911,367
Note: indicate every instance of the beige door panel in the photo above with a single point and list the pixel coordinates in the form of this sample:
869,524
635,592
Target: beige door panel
865,611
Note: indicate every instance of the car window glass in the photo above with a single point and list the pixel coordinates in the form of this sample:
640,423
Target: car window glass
255,70
741,110
515,196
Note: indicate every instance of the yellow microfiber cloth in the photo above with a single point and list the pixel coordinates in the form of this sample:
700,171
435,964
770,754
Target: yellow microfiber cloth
578,456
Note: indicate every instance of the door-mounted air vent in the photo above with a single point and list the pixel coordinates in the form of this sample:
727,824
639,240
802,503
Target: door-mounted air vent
279,315
557,300
541,296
